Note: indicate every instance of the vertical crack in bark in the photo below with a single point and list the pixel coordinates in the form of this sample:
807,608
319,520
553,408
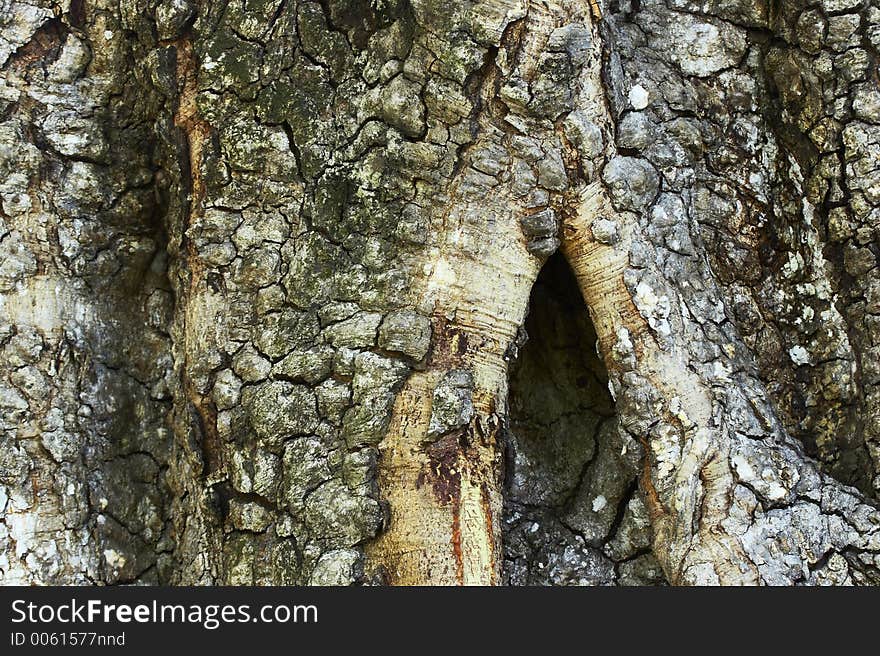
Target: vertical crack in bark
202,505
197,134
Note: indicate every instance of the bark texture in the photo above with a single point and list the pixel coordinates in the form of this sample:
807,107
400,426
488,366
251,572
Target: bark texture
418,292
85,359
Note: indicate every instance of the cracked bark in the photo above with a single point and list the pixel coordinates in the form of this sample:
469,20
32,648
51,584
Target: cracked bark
451,293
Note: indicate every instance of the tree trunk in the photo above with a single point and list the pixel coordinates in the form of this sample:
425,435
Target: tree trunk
414,292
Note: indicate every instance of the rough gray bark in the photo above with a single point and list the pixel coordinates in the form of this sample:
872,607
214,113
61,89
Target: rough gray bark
85,356
271,310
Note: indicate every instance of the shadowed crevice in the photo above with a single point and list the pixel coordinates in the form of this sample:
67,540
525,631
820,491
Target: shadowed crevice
569,478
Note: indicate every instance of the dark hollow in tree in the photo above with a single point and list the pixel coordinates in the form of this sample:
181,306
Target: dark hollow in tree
572,509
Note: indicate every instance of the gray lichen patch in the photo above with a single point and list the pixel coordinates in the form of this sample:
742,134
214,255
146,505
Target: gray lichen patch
452,405
406,331
279,409
375,381
338,567
632,182
339,518
309,365
702,47
541,230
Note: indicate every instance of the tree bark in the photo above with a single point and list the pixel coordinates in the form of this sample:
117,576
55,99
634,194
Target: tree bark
86,359
411,292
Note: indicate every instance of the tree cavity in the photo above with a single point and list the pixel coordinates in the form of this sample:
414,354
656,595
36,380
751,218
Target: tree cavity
572,511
